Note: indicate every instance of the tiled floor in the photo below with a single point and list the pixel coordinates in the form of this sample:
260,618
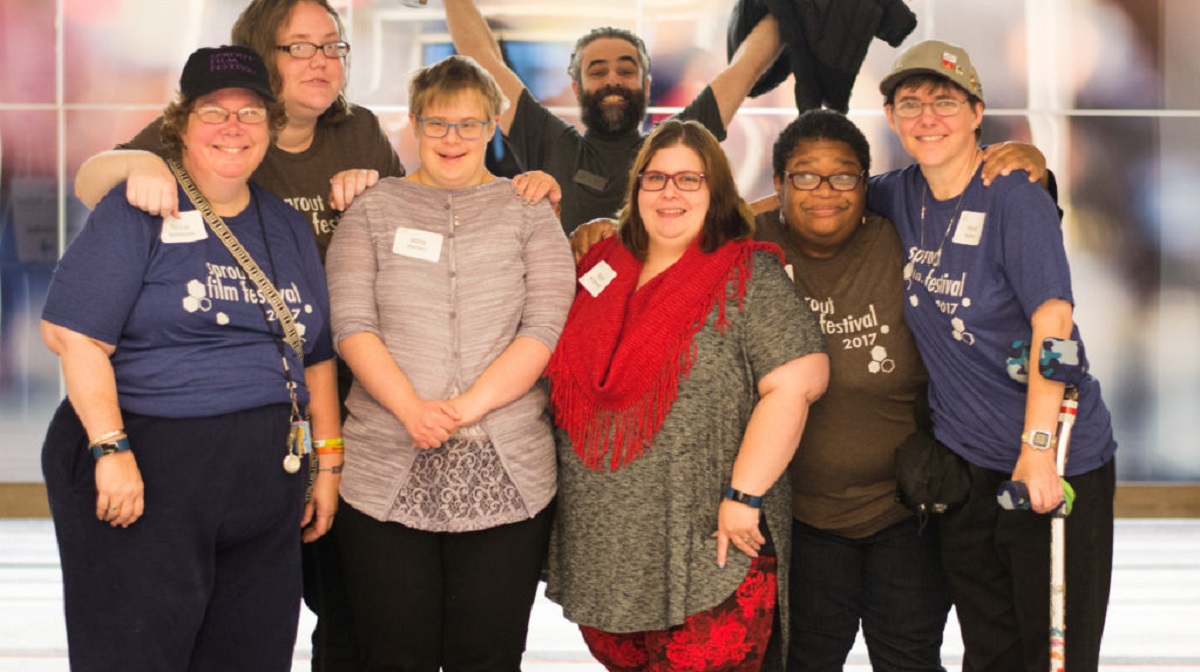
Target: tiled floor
1153,620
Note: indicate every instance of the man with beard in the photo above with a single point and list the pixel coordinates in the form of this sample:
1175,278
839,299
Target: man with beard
610,74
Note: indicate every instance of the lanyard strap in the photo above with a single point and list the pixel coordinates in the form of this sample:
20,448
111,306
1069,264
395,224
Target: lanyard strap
218,226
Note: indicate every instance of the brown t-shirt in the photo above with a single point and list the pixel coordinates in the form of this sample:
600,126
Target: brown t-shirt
843,475
302,178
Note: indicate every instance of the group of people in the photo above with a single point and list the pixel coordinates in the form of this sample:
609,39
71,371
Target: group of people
686,429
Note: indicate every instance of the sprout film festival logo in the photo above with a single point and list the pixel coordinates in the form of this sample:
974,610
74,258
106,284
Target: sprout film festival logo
854,333
229,284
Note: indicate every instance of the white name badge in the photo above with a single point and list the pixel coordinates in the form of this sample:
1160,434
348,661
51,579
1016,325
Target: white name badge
595,280
417,244
969,230
187,228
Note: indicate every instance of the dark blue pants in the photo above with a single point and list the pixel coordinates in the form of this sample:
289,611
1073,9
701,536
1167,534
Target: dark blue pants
208,579
998,563
425,601
891,582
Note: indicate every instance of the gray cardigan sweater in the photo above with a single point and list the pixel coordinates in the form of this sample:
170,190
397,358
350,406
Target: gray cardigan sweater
447,279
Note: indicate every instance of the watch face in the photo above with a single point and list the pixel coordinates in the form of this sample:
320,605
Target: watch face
1040,439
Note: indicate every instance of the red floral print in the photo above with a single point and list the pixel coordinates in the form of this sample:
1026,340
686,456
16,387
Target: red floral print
730,637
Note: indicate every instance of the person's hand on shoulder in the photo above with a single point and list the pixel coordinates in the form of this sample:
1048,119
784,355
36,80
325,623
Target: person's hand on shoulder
1003,158
151,186
588,234
345,186
535,185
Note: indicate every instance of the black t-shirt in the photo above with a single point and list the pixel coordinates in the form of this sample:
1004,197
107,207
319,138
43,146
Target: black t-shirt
592,171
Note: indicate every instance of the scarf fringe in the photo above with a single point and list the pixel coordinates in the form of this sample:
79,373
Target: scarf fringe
622,430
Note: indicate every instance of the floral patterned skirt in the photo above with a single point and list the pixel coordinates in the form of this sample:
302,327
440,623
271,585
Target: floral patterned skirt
731,636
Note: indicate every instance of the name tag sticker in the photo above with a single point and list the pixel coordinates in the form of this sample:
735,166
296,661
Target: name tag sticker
187,228
790,271
417,244
595,280
969,230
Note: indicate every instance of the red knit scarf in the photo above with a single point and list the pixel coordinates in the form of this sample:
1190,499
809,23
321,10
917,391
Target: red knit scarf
617,367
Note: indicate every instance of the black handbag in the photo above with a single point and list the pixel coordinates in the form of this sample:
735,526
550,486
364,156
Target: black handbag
930,478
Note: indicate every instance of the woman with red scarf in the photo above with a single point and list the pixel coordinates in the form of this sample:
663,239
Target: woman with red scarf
680,388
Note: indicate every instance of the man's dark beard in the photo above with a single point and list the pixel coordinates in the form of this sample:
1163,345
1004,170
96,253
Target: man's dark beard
613,120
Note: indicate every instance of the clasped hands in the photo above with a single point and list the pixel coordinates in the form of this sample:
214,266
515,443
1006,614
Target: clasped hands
431,422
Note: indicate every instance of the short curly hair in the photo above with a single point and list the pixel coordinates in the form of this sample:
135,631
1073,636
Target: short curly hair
820,125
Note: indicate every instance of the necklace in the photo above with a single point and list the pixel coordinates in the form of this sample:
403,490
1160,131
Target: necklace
936,259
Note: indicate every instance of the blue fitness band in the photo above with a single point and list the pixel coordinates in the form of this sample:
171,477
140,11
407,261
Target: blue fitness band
742,498
109,447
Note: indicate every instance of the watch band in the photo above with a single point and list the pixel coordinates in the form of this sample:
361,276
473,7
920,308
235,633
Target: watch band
103,448
742,498
1041,439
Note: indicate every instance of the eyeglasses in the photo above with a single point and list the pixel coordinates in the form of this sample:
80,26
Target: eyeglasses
440,128
686,180
218,115
910,109
307,50
812,181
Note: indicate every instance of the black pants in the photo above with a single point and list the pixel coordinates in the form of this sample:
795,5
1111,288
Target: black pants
208,579
456,601
998,563
334,644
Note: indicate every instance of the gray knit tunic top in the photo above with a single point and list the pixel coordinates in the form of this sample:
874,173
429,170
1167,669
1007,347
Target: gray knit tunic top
447,279
632,549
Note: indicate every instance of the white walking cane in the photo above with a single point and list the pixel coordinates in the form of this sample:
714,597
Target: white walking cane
1058,539
1015,495
1068,365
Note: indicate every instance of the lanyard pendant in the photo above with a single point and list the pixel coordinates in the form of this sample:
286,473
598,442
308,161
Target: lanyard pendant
299,444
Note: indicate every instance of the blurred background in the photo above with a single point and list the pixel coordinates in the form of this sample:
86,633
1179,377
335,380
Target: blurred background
1106,88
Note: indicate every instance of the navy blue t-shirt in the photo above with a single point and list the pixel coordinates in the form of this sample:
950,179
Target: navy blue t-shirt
977,267
193,336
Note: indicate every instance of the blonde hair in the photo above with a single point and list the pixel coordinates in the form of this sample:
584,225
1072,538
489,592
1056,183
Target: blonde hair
450,76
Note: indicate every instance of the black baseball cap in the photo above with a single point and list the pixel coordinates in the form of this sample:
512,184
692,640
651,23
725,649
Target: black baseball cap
212,68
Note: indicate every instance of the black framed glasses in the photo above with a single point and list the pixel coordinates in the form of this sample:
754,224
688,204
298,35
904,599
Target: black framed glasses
211,114
911,109
837,182
440,128
686,180
307,50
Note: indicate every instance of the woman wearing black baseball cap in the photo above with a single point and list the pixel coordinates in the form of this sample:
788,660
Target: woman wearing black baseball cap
199,371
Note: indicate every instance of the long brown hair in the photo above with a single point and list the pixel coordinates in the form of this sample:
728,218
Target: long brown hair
258,28
729,216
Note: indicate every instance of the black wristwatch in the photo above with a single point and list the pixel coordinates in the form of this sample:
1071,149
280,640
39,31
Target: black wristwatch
742,498
103,448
